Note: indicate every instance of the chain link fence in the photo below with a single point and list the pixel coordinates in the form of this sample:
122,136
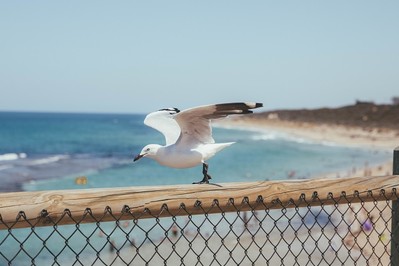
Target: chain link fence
340,231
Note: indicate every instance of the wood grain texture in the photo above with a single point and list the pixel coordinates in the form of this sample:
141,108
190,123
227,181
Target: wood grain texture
46,207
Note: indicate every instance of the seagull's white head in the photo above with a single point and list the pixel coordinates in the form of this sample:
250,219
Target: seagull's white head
148,151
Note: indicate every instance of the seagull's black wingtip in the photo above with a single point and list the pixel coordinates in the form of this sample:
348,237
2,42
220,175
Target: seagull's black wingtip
257,105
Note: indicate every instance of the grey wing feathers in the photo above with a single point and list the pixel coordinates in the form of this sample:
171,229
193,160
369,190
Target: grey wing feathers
195,122
225,109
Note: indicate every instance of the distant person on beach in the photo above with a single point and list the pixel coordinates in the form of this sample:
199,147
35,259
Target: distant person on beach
112,245
174,231
366,226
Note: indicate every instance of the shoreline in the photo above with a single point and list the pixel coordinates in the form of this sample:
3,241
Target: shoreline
351,136
380,139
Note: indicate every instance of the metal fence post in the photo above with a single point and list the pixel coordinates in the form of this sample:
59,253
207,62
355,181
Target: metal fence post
395,216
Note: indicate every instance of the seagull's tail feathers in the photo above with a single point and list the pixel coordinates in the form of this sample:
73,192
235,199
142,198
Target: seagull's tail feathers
209,150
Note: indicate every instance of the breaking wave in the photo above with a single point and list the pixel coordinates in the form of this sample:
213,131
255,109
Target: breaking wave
52,159
12,156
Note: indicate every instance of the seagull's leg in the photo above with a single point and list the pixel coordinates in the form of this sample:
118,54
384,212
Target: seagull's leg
205,173
206,178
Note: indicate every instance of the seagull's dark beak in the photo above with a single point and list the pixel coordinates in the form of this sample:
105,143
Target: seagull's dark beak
138,157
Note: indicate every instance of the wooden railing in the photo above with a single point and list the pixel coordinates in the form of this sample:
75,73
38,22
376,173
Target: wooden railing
149,201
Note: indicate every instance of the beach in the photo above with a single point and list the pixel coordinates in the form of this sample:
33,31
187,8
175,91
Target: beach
349,134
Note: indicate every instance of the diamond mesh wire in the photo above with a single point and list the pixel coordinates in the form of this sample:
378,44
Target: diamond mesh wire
341,232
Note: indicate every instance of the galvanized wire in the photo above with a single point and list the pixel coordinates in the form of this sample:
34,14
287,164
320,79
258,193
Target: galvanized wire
346,231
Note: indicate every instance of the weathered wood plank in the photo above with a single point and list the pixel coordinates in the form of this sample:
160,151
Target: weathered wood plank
150,201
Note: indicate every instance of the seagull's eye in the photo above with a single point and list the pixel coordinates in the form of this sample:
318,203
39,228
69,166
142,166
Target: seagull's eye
148,149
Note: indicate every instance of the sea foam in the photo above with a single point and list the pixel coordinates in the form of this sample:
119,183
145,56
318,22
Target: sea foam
48,160
12,156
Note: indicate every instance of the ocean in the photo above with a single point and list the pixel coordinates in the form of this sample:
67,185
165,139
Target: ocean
52,151
55,151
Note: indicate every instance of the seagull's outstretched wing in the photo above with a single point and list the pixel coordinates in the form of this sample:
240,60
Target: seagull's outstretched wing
195,124
164,122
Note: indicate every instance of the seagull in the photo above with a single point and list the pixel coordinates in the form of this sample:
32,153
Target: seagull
188,135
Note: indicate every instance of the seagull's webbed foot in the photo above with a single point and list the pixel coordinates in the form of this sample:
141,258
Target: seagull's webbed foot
206,178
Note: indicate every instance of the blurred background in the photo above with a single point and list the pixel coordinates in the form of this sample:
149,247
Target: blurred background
140,56
77,78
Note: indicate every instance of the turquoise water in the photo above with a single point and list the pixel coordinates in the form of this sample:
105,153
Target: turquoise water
41,151
51,150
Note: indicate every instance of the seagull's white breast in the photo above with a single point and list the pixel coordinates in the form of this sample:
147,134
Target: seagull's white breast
174,157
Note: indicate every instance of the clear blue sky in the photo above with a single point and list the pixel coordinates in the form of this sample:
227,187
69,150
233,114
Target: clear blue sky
139,56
